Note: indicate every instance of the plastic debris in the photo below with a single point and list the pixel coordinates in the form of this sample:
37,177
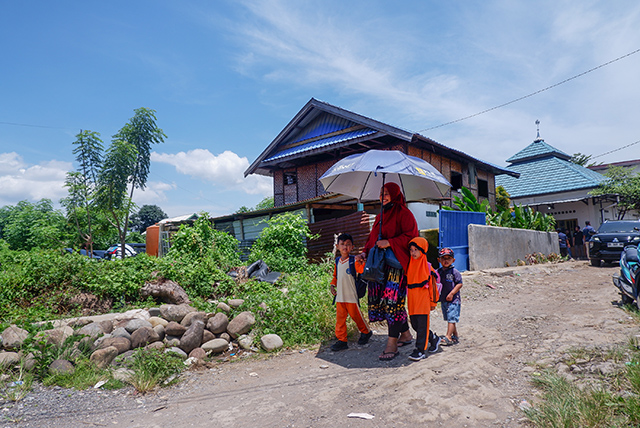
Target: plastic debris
360,415
99,384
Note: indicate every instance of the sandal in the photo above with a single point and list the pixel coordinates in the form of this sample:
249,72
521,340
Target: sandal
446,341
406,342
388,356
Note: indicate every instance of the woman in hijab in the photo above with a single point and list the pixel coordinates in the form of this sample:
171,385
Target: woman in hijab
387,300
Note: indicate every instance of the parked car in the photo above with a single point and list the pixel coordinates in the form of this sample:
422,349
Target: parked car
130,250
611,238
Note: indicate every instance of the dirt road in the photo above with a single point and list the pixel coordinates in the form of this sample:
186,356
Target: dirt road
532,314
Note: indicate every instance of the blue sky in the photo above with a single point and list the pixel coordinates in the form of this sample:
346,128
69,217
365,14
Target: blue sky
226,76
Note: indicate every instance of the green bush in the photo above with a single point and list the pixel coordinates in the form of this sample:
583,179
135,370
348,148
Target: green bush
282,244
301,311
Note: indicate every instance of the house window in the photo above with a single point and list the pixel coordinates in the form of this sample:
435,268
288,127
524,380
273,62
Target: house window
456,180
483,188
290,178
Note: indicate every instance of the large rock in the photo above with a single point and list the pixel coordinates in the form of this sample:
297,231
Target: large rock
143,336
241,324
192,338
174,329
224,307
8,358
207,336
92,330
175,312
198,353
121,332
103,357
158,321
177,351
271,342
55,336
164,290
235,303
61,367
191,317
122,344
215,346
218,323
158,346
159,329
13,337
135,324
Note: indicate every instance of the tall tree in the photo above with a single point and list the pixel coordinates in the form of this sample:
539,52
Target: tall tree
82,185
146,216
625,184
126,167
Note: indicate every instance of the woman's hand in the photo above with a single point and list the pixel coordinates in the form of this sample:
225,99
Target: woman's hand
383,243
361,257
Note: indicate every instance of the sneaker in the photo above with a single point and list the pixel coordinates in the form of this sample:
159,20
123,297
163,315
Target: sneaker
417,355
434,345
339,346
364,338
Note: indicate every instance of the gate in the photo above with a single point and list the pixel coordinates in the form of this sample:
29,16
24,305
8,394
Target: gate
454,233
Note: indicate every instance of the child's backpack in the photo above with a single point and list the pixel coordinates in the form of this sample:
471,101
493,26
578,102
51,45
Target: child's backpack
361,284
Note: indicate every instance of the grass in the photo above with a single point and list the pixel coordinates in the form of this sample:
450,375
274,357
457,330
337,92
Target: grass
153,369
593,400
16,382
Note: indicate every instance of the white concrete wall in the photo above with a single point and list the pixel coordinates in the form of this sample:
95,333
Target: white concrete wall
493,247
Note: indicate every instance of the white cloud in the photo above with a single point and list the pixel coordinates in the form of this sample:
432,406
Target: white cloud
154,193
438,63
225,171
20,181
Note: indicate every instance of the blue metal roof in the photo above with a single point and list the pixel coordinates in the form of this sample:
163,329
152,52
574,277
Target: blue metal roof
537,149
548,175
323,142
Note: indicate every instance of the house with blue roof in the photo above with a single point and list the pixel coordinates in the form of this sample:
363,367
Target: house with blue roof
549,182
321,134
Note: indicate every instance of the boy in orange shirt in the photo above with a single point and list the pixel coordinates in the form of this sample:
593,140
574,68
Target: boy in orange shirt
422,297
343,286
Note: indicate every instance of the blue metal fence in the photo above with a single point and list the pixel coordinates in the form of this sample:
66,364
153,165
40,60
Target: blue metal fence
454,233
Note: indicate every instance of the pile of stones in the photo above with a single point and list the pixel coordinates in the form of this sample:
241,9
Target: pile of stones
180,329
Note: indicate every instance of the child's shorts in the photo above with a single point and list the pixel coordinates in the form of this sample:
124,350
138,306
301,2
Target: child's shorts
451,311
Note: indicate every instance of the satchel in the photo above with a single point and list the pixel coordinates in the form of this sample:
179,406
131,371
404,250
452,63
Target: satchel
374,268
390,259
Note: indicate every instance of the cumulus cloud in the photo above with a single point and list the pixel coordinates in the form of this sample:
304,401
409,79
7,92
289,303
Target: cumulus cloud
20,181
153,194
225,170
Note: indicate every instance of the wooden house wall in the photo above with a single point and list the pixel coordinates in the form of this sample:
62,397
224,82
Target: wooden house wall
358,225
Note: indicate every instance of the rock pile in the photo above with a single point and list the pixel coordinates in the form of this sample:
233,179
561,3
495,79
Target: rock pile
180,329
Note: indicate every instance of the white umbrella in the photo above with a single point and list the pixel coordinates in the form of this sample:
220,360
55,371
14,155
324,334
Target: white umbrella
363,175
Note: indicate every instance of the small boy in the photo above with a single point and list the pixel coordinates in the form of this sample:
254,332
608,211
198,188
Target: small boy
422,298
343,286
450,295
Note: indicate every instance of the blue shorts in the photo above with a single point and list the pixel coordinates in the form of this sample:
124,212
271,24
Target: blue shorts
451,311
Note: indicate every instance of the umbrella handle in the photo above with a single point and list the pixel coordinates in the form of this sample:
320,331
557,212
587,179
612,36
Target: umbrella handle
384,175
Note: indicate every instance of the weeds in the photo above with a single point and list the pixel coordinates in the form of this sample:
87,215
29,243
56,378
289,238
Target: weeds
611,401
16,382
153,368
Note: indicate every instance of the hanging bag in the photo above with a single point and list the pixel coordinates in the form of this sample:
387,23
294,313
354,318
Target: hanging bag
374,268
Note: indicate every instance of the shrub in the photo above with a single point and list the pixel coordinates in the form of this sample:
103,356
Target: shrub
282,244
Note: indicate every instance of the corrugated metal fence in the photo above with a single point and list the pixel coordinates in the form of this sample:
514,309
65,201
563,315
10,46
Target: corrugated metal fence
454,233
357,225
